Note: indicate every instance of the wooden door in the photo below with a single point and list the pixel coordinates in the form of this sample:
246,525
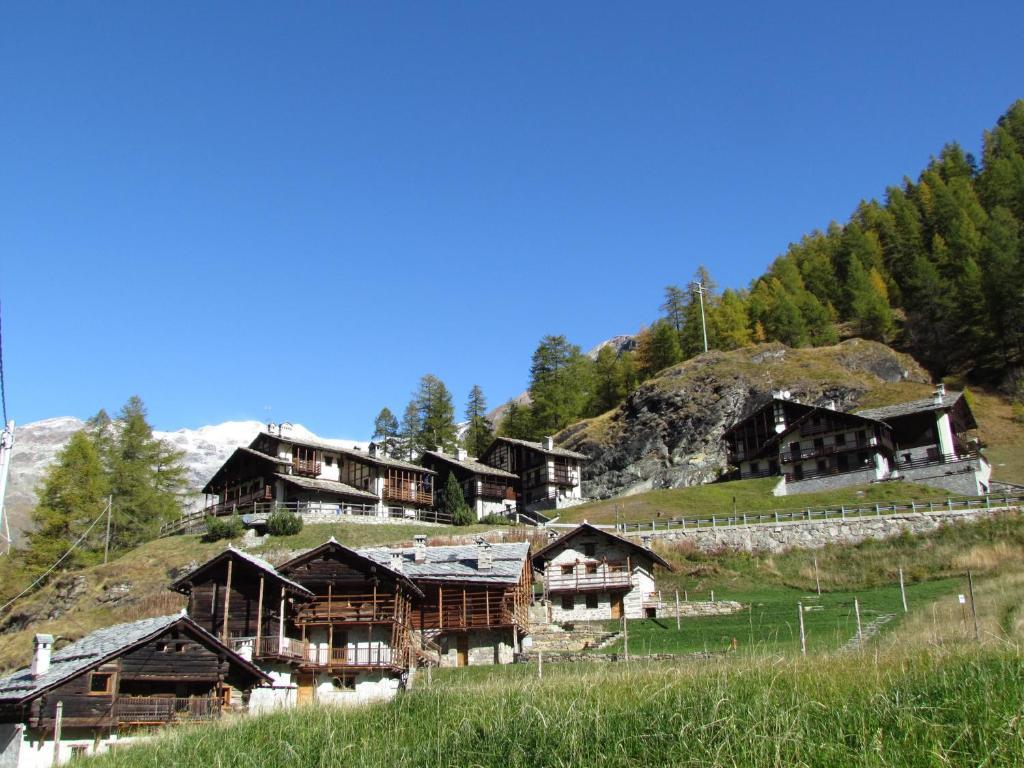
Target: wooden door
462,650
616,606
306,689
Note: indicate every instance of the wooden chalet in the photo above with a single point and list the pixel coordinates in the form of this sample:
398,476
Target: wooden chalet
590,574
488,490
109,683
474,607
752,442
317,479
549,477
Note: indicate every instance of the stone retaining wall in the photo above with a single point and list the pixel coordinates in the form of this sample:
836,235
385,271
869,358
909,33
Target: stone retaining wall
814,534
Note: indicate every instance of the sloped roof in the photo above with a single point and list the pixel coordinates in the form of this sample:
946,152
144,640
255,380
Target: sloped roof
555,451
325,445
543,555
100,646
331,486
460,563
271,461
333,545
181,585
924,405
472,464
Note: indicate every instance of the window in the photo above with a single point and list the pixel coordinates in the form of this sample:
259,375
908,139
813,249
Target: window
344,683
590,549
180,647
822,465
591,601
567,570
329,461
591,569
840,438
161,647
101,683
568,602
754,467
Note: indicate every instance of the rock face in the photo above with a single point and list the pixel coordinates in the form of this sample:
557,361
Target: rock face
668,433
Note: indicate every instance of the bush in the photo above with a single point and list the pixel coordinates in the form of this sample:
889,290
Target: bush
493,519
223,528
284,523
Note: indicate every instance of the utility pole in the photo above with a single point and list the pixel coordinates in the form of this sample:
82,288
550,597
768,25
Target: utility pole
6,446
106,542
698,287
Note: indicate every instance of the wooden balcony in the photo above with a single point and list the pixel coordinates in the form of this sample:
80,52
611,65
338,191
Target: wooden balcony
264,494
561,474
347,608
306,467
409,492
306,654
458,609
485,490
588,577
158,710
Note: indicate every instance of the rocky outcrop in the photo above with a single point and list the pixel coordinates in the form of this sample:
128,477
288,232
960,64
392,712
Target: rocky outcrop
668,433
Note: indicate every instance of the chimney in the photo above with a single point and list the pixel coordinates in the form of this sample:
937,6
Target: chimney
461,454
552,535
940,393
374,449
419,548
396,560
484,558
42,646
549,443
646,539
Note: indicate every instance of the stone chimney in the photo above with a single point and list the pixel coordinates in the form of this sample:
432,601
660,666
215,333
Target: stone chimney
646,540
396,560
461,454
552,535
940,393
42,647
549,443
374,450
484,557
419,548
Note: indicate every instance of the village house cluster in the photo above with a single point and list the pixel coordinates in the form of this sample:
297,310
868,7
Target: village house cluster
811,448
333,625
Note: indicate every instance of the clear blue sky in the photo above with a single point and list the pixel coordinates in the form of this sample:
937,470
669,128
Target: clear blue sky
224,207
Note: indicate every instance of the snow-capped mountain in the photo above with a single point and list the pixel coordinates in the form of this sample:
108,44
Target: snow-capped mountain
36,446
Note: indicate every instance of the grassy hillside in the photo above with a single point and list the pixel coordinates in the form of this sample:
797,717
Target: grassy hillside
716,499
134,586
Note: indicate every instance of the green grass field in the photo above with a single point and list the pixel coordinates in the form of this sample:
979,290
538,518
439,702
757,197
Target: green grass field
717,499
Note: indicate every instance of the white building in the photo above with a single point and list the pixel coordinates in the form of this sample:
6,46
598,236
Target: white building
488,490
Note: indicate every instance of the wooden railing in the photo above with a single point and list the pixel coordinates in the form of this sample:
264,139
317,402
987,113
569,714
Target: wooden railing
487,490
348,608
828,450
307,467
606,576
458,609
341,509
266,493
401,491
159,709
306,653
562,475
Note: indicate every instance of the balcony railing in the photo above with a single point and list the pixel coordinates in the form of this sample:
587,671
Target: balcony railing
266,493
829,450
411,493
341,509
304,653
476,609
929,461
562,475
584,577
159,709
491,491
306,467
346,608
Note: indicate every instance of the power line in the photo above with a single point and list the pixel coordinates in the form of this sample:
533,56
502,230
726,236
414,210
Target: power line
53,567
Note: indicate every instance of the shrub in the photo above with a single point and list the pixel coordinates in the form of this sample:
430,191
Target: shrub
223,528
283,522
493,519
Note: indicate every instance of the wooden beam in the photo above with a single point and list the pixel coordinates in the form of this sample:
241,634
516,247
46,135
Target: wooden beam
259,618
280,621
227,603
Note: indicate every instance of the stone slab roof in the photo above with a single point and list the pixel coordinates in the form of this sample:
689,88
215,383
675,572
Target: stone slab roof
555,451
326,445
331,486
180,584
459,563
924,405
95,649
472,464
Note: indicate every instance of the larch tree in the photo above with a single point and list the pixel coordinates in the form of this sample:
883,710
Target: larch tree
437,428
385,430
479,432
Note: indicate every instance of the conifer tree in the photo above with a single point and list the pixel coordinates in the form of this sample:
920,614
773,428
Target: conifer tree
517,422
657,349
72,495
452,502
731,323
561,383
407,432
385,430
479,432
436,416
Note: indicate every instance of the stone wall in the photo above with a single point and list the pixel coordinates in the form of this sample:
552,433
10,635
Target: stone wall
767,537
828,482
484,647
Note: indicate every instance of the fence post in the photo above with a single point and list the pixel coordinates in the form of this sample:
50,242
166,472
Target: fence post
58,722
817,582
803,636
949,503
744,518
860,633
678,620
776,515
712,521
974,610
903,592
540,665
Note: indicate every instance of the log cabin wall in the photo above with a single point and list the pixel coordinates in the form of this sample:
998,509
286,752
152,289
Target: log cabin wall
207,601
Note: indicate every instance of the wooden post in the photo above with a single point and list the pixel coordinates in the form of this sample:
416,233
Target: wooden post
860,633
465,621
625,636
540,665
487,608
280,622
678,620
57,725
227,603
259,619
440,609
903,592
817,581
974,610
803,634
